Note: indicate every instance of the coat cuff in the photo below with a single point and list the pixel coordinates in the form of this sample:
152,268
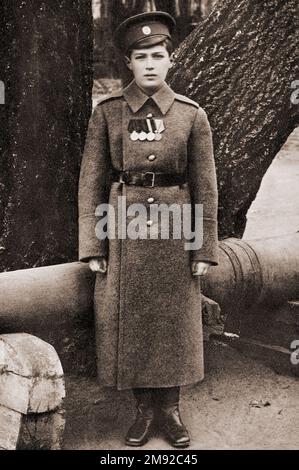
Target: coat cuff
209,252
89,245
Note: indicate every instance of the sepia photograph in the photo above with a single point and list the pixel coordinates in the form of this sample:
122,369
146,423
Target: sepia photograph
149,228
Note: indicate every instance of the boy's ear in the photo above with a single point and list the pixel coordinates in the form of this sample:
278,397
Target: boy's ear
172,60
128,62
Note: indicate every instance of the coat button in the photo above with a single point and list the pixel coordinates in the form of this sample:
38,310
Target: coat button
149,223
151,158
151,200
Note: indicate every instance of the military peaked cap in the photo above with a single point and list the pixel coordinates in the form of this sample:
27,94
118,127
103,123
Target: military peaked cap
144,30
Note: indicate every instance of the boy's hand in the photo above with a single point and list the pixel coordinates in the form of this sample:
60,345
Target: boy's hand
200,268
98,265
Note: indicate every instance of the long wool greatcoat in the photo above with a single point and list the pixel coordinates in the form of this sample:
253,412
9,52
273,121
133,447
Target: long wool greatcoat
147,306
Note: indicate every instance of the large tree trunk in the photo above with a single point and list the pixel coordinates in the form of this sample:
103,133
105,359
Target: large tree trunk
46,64
239,65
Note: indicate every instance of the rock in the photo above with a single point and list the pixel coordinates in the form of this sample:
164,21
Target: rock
31,393
42,431
10,422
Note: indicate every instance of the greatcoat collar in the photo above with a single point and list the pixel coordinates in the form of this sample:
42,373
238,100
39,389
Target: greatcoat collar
136,98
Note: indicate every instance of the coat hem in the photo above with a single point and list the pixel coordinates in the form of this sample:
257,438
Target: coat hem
130,387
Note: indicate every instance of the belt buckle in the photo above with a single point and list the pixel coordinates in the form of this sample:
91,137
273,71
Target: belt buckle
153,175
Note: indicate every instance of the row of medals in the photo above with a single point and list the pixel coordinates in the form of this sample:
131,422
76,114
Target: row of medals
146,129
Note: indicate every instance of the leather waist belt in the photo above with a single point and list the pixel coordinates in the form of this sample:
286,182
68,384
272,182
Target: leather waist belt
149,178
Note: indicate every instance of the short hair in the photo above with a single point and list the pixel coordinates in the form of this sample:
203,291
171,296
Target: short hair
167,43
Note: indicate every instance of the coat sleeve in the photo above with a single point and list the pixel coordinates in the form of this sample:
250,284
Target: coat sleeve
94,186
203,186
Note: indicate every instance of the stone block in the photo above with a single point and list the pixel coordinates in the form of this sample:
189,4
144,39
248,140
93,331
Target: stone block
10,422
31,394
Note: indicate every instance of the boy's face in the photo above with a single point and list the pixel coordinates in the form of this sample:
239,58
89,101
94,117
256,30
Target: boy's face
150,66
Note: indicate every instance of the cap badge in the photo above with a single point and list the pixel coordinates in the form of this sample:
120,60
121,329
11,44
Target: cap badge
146,30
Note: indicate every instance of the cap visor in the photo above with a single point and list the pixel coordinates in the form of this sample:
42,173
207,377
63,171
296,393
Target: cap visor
149,42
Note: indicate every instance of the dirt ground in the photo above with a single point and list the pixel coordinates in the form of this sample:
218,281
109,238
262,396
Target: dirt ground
241,404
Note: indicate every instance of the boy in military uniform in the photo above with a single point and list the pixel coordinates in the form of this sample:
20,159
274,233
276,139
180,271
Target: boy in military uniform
152,146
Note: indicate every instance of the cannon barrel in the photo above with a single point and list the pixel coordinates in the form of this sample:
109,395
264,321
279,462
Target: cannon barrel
55,302
261,271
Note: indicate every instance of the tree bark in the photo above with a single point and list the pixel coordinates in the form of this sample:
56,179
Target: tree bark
239,65
46,64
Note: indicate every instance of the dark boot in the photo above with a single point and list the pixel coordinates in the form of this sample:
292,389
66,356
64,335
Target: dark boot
140,431
170,420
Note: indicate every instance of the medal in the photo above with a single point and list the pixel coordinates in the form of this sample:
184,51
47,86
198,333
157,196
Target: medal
150,135
146,129
159,124
132,132
142,136
134,136
134,129
142,129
